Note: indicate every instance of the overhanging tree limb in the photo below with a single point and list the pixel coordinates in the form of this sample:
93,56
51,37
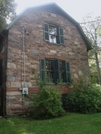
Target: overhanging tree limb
90,28
7,12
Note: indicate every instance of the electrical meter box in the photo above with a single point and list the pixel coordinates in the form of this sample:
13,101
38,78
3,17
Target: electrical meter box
24,90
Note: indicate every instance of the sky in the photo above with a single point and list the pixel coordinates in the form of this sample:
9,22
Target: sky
75,8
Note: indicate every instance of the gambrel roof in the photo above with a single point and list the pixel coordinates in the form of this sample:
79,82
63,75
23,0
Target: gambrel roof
54,8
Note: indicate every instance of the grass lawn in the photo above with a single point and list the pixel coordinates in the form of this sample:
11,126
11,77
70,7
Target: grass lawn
72,123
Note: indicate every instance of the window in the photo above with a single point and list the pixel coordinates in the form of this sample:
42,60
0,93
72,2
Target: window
55,70
53,34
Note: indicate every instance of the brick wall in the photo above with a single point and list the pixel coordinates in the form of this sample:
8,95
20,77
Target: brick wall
74,51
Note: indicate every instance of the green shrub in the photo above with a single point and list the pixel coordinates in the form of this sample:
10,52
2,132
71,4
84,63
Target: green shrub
84,101
83,82
46,103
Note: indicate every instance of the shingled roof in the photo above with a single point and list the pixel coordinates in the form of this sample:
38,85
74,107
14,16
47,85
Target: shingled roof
54,8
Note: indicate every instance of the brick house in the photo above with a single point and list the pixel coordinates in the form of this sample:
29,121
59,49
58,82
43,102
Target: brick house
43,38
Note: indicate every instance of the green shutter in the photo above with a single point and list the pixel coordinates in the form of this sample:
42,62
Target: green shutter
42,69
61,36
0,71
46,33
58,40
56,71
67,69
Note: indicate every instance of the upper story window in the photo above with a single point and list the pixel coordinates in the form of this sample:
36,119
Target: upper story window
53,34
55,70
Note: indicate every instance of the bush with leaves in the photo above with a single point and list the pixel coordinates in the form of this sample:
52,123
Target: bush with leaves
85,100
46,103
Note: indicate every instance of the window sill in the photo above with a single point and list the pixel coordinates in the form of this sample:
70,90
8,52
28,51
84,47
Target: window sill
55,43
51,83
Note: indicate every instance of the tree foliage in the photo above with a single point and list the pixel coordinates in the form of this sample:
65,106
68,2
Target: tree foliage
92,28
7,12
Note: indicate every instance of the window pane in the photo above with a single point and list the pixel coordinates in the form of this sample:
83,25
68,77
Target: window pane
52,30
50,70
62,75
52,39
50,76
52,34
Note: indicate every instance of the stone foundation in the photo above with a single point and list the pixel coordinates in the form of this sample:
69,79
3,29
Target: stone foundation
18,103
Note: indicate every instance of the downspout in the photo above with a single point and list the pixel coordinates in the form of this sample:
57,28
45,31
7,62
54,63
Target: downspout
24,88
23,35
5,52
